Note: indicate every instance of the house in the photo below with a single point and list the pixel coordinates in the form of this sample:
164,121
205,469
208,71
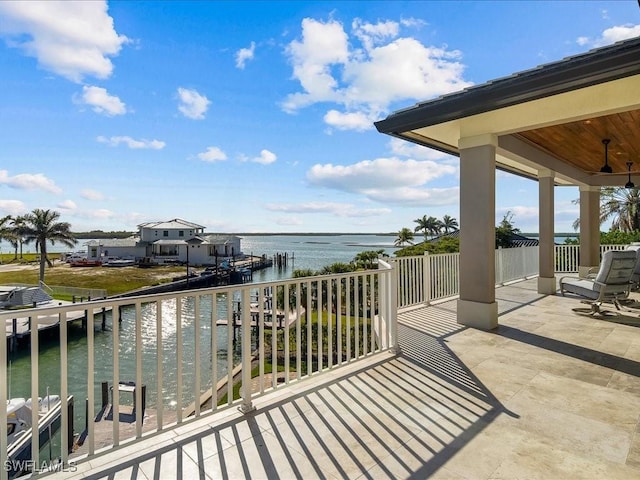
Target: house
170,241
554,124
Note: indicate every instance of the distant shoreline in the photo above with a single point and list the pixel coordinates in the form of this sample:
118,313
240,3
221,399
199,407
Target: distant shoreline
97,235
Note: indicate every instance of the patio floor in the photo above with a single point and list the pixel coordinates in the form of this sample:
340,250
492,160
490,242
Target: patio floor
549,394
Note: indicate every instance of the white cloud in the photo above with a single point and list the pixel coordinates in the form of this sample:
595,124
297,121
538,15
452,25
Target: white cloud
101,102
67,206
100,213
334,208
416,196
411,150
71,39
29,181
364,73
266,157
89,194
374,174
132,143
289,221
212,154
388,180
245,54
358,121
13,207
611,35
192,104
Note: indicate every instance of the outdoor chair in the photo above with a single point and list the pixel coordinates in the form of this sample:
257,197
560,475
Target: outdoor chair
611,284
635,276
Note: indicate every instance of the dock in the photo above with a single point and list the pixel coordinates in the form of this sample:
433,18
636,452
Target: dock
19,327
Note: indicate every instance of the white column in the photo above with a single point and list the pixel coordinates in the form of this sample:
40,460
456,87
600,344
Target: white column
589,229
546,252
477,306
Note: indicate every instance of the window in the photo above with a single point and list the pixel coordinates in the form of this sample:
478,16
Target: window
165,233
181,233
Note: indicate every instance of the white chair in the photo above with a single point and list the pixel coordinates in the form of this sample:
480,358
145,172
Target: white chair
611,284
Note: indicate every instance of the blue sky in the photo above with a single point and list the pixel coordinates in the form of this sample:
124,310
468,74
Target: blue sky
258,116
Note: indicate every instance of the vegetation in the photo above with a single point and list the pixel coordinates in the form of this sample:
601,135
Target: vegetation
114,280
96,234
42,227
505,231
442,245
404,236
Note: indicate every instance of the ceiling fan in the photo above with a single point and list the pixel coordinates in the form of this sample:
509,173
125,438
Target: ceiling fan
607,170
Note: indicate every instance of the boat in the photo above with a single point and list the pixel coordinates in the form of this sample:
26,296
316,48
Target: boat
19,427
120,262
83,262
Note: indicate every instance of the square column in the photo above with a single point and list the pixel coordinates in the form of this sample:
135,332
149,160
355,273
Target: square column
589,229
477,305
546,252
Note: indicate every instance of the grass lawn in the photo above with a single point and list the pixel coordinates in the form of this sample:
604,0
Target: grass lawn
114,280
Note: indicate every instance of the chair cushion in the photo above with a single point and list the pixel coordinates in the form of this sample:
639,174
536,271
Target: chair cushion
580,287
617,267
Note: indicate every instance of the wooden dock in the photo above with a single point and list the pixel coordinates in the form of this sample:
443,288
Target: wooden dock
19,327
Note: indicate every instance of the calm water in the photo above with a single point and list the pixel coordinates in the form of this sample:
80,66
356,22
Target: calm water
306,252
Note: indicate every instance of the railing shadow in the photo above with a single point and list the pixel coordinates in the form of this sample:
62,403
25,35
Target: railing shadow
399,417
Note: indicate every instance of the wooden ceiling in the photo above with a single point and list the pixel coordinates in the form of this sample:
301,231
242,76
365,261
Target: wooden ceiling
580,143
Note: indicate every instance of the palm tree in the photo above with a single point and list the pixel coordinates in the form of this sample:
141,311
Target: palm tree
404,236
428,225
5,230
622,205
41,226
449,224
17,227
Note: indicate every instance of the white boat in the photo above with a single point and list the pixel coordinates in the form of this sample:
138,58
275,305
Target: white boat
19,425
120,262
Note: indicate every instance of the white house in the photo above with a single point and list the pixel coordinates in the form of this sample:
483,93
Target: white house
169,241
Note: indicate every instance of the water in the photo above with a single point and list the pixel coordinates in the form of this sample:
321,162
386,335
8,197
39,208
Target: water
308,252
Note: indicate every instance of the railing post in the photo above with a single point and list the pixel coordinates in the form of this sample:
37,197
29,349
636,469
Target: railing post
247,405
499,272
426,283
393,310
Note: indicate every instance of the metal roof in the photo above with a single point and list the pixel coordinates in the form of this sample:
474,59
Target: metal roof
596,66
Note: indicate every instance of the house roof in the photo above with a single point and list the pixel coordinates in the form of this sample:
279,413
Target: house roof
114,242
561,111
516,239
174,224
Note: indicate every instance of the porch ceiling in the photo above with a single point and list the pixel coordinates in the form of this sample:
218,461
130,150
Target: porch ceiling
553,117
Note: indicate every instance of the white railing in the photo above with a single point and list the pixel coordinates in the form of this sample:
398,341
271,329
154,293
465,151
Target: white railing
190,349
516,263
568,256
416,286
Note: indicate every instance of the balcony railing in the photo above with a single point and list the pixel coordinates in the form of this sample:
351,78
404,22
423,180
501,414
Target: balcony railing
196,352
423,279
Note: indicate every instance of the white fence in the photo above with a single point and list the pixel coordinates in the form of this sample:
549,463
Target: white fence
416,286
189,349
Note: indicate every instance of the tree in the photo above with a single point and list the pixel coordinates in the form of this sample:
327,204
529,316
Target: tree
622,206
41,226
367,259
404,236
449,224
505,231
428,225
5,230
17,226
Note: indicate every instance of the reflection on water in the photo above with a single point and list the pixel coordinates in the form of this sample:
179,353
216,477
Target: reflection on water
309,252
49,358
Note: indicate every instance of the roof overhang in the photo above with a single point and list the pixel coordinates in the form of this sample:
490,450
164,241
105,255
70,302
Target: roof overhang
553,117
